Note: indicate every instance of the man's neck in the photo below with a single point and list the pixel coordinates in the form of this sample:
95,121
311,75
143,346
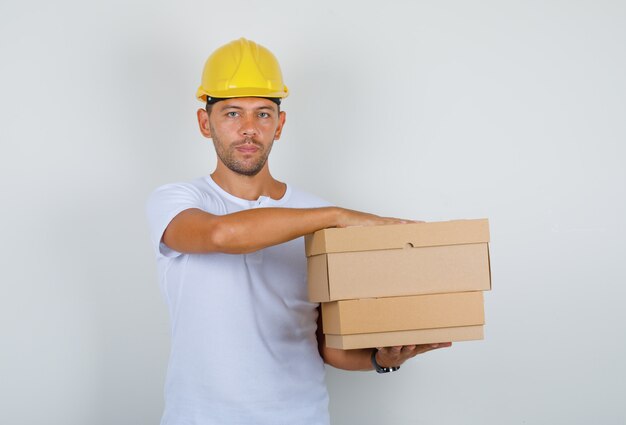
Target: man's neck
249,187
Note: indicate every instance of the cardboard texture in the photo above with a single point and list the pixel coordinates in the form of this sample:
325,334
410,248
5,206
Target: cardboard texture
403,313
390,339
398,260
367,238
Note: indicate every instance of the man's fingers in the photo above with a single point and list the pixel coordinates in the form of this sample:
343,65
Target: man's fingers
409,351
391,350
429,347
395,220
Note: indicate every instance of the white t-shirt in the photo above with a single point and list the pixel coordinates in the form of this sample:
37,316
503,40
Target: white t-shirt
244,348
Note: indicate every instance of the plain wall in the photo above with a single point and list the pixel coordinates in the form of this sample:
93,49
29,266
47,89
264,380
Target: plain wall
431,110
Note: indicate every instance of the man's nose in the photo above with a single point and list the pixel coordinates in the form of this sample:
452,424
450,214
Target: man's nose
248,127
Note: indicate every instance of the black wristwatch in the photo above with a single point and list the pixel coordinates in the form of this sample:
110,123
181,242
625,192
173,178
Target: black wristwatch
378,368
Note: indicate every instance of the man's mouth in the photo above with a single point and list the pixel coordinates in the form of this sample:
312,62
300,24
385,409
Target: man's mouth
247,147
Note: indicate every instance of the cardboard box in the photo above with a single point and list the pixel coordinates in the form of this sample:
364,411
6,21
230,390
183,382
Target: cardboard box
374,315
398,260
419,336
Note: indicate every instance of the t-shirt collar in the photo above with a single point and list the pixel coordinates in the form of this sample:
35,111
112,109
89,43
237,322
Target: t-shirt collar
262,201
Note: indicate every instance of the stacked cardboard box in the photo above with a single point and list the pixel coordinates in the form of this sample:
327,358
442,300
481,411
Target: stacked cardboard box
400,284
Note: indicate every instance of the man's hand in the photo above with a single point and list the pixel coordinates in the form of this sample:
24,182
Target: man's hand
347,218
395,356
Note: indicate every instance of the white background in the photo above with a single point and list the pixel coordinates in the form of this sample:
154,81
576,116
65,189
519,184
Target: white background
433,110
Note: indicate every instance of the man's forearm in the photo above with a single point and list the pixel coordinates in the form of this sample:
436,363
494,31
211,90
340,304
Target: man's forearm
195,231
251,230
359,359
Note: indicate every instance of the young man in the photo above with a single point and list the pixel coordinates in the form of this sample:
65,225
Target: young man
246,345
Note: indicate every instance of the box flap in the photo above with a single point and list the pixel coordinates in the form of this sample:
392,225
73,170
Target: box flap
317,271
394,236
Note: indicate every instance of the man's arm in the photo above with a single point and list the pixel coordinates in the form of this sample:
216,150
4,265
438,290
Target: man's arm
360,359
196,231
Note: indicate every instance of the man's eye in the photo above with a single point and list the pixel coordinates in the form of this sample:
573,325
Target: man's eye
264,115
231,114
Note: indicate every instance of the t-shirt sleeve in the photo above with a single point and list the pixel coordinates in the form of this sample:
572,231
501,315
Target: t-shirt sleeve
163,205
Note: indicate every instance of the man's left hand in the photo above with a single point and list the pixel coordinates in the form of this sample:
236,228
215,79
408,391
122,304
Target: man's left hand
395,356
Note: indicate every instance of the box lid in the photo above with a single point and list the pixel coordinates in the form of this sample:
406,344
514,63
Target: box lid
394,236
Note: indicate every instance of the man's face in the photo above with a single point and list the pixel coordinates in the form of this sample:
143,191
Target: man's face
243,132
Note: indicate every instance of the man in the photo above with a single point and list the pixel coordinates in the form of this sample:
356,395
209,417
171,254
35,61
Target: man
246,344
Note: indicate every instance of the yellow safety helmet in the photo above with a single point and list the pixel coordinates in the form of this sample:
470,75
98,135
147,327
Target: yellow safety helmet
241,68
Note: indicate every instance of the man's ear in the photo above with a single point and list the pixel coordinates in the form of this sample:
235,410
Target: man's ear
203,123
281,122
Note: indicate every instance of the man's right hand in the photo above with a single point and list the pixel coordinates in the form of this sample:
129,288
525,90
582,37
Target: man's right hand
349,218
